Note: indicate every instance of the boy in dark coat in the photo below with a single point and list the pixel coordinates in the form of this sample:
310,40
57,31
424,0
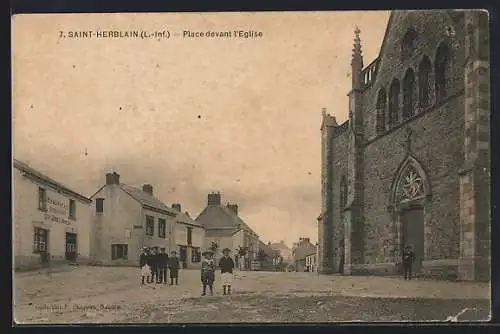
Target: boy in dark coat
226,265
157,259
207,272
408,259
163,265
150,262
174,268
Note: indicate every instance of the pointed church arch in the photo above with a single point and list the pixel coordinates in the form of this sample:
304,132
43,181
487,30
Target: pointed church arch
410,183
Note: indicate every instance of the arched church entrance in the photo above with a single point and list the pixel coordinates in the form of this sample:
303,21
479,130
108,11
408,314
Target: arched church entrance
409,196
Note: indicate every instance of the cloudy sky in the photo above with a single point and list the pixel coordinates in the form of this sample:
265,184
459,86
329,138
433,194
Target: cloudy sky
190,116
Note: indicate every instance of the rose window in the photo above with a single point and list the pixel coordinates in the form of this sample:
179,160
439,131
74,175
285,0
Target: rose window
412,185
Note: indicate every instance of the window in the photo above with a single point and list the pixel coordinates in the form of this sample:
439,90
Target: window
394,102
408,44
99,205
424,82
40,240
42,199
381,110
162,225
408,93
150,225
441,71
195,255
72,208
119,251
189,235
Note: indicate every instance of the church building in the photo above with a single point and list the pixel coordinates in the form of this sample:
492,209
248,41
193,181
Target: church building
411,165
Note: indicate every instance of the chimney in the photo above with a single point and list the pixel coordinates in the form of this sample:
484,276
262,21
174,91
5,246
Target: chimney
112,178
233,207
214,199
147,188
176,207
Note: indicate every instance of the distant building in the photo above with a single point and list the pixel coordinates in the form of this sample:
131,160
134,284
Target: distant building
189,236
51,223
312,260
301,250
226,229
267,256
125,219
284,251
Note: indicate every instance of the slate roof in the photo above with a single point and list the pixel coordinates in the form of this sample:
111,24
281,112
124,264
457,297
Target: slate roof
219,216
33,173
147,200
184,218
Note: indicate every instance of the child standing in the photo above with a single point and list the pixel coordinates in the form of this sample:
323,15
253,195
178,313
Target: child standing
145,271
174,268
226,265
207,272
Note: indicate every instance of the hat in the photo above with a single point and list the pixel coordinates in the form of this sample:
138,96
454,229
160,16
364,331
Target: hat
207,252
163,248
145,248
173,252
226,250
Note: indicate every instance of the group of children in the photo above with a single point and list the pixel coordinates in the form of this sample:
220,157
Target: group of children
154,265
226,265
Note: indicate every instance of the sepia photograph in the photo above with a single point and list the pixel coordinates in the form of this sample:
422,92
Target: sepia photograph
251,167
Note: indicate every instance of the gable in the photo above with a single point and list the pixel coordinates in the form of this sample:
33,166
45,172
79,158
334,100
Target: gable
430,27
214,217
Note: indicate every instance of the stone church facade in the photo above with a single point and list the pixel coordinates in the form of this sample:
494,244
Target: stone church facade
411,165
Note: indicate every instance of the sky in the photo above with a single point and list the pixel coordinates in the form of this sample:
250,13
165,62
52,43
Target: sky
190,115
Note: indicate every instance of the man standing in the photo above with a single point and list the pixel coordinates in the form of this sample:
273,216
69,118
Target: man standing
163,265
408,259
145,271
150,262
226,265
174,268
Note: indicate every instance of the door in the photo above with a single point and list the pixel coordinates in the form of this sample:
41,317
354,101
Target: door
183,256
71,246
413,235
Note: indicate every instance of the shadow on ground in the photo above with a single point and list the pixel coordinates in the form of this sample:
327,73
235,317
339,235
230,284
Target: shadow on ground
255,308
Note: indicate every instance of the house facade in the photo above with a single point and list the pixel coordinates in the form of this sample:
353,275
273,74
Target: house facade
189,236
411,165
125,219
224,228
302,252
51,223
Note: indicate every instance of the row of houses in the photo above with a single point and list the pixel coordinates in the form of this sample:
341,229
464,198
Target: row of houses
305,255
52,223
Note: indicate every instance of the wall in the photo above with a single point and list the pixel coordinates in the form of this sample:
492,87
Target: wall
121,214
26,216
338,169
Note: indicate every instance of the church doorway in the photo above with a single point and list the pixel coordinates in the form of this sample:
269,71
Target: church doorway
412,223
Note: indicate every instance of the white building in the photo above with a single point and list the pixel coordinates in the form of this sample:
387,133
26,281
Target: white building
125,219
50,221
189,237
312,262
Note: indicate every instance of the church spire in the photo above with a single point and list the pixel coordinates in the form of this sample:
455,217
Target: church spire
357,60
